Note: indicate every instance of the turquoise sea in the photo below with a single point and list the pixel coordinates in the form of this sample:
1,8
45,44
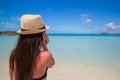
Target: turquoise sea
71,50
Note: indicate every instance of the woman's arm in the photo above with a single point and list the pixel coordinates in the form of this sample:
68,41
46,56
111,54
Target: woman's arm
45,41
9,71
50,59
11,74
11,65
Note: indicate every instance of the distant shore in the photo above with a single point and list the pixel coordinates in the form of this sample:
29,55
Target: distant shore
8,33
93,34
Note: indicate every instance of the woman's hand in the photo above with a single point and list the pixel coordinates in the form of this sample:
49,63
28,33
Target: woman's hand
45,41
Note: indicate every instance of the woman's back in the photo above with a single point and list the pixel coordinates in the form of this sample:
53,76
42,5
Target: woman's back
27,61
43,62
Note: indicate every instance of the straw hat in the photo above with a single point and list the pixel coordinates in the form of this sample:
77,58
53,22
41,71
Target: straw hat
31,24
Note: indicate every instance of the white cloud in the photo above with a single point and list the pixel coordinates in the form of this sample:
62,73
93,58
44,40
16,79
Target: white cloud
85,18
8,25
15,18
112,26
84,15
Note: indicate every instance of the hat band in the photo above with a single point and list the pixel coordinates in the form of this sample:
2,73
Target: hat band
30,29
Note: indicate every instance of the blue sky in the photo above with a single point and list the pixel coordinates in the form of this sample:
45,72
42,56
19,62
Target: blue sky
64,16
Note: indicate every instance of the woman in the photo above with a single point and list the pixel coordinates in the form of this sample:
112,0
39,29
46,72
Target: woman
30,59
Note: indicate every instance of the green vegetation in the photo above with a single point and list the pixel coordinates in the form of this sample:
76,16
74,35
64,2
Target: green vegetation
14,33
109,33
8,33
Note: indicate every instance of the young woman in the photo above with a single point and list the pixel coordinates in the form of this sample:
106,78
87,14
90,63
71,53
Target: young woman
30,59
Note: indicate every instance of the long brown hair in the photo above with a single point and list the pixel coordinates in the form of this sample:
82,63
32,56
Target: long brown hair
24,56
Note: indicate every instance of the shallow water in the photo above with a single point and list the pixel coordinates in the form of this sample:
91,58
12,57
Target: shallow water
76,55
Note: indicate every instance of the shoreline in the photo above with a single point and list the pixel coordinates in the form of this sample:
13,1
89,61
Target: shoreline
91,35
85,34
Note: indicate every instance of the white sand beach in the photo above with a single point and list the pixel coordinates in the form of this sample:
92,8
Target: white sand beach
82,72
72,71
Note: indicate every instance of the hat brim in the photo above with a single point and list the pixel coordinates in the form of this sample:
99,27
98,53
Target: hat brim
34,31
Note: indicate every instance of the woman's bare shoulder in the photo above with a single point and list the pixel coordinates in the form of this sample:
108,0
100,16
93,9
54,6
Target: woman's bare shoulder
48,58
46,54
